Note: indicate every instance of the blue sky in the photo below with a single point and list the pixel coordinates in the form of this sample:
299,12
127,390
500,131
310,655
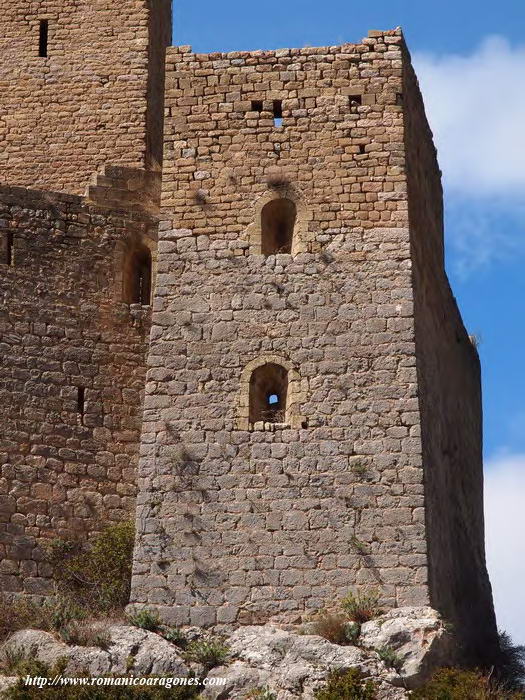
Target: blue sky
470,57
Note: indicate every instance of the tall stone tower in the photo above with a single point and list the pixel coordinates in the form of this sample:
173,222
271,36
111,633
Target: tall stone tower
82,87
312,414
81,93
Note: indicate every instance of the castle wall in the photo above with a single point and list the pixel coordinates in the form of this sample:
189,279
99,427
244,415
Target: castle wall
72,371
96,99
450,405
245,522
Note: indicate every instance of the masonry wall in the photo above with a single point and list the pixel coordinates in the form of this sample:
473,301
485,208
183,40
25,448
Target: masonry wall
67,461
236,522
96,99
450,404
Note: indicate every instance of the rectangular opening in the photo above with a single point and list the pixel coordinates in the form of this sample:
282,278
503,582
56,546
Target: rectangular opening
257,106
399,99
9,249
81,400
362,149
44,34
355,100
277,113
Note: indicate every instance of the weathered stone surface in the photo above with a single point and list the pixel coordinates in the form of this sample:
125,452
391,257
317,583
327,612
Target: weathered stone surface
418,637
131,650
307,253
294,665
73,365
6,682
95,99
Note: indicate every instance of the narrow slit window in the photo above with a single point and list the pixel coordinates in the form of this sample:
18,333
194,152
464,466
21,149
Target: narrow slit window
81,401
10,249
277,113
137,288
43,40
362,149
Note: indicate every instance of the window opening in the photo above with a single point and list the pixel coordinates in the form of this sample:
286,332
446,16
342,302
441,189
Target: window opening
81,400
257,106
43,39
355,100
10,249
277,226
268,391
277,113
139,278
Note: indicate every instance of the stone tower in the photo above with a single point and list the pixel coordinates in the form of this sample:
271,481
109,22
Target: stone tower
82,88
312,415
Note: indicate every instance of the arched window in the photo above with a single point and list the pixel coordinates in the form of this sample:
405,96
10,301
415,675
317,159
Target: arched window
137,280
268,393
277,225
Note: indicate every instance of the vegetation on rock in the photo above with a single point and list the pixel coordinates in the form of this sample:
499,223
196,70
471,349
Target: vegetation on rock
347,685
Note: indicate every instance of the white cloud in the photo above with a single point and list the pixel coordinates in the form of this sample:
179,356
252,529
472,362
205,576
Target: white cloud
476,107
505,540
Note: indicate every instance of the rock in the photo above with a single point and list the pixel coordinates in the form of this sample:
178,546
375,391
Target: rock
132,650
292,665
6,682
418,636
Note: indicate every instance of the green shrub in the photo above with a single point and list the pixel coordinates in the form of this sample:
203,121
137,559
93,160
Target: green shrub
22,692
336,628
176,636
362,606
459,684
85,635
97,575
347,685
145,619
52,615
389,657
510,663
208,653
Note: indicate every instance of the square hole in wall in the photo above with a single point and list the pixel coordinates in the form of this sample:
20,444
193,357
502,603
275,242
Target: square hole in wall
277,113
257,105
355,100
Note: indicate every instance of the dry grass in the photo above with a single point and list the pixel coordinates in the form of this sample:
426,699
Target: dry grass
361,607
331,626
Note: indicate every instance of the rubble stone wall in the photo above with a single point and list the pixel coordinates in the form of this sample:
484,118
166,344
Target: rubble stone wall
248,522
95,100
72,371
450,404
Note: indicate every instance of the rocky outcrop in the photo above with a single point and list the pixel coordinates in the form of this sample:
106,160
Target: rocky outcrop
293,665
417,637
130,650
398,651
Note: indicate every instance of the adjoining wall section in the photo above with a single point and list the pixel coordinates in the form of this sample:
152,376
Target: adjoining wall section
96,99
240,522
450,405
72,372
